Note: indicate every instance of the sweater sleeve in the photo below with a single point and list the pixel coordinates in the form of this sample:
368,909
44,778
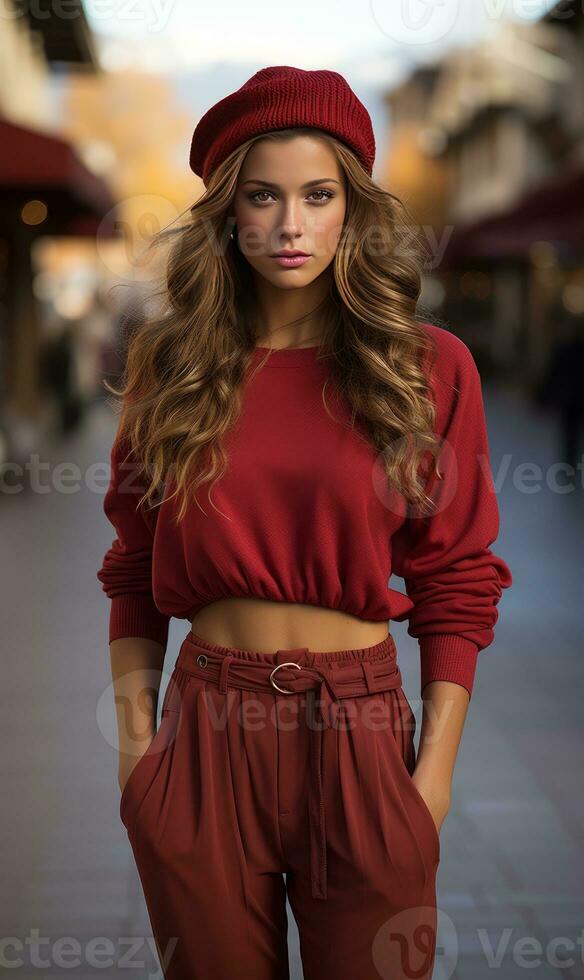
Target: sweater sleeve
450,573
126,571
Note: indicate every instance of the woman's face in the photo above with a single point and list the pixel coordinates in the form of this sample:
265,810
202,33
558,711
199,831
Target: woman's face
290,196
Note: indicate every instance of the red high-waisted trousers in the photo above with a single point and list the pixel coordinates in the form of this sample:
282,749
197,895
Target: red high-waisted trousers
285,773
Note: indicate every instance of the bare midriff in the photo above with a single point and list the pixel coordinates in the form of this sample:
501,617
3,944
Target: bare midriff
265,626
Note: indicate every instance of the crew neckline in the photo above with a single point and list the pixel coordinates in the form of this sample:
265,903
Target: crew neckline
287,356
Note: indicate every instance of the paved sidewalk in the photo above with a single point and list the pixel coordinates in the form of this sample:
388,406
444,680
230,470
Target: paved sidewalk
512,871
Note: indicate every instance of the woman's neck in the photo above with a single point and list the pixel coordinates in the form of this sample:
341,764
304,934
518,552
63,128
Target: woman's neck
291,318
278,342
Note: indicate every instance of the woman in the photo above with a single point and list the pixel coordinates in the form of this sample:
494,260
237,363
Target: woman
343,440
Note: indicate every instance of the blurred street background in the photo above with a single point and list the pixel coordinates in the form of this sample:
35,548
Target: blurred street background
479,122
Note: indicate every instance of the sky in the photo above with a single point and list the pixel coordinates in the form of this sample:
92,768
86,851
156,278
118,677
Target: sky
174,35
209,49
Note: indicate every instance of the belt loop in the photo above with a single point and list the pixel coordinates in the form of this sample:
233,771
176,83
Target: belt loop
369,676
227,659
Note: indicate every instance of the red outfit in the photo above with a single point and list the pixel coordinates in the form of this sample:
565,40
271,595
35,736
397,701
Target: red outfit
242,785
304,515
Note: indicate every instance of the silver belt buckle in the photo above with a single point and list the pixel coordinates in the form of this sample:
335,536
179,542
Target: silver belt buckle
283,690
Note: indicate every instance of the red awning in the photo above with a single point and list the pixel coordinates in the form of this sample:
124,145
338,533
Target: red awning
36,162
553,212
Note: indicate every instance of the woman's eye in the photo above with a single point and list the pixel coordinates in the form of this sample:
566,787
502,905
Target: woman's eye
253,196
256,195
322,191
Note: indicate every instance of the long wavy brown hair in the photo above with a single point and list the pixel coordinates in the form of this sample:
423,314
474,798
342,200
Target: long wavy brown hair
184,364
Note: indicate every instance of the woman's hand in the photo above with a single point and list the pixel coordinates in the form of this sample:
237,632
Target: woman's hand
445,707
435,796
126,764
136,672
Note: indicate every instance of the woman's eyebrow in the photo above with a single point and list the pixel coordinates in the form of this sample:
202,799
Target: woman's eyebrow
276,187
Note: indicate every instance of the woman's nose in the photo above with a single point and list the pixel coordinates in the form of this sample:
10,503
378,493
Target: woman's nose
290,223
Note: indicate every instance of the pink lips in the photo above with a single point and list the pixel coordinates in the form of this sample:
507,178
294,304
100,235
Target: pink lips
292,261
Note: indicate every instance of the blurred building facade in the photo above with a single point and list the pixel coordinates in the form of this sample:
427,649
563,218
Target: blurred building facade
503,124
94,164
46,189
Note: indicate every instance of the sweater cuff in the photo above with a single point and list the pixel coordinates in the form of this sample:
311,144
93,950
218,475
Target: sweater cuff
448,657
135,614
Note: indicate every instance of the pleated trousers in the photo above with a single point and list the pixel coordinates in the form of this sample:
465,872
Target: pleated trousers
280,774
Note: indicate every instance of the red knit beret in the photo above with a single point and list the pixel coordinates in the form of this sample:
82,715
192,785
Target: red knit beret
277,98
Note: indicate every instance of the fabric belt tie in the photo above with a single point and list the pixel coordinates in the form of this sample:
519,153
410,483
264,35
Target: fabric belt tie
331,681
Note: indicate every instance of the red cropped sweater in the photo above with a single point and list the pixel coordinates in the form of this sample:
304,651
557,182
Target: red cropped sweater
304,515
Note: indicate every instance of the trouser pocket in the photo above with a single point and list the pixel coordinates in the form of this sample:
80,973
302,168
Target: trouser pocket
402,744
148,765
